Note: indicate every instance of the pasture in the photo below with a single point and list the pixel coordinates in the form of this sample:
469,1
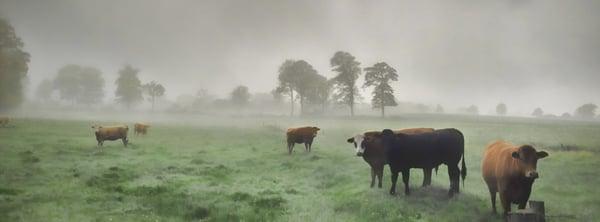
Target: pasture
238,169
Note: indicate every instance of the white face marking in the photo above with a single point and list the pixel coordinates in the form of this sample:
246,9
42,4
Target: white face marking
358,139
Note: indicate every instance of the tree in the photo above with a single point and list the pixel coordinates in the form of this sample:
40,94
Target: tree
44,90
92,85
501,109
240,96
379,76
439,109
538,112
317,90
474,110
153,90
300,77
348,70
13,67
565,115
587,111
129,87
79,85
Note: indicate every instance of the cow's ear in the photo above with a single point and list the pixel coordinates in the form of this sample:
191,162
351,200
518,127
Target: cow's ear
515,155
351,140
541,154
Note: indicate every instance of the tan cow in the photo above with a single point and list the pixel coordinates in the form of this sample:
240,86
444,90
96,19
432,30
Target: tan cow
111,133
4,121
368,145
140,128
511,171
304,135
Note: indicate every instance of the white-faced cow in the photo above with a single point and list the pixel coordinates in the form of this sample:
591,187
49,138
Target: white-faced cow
369,146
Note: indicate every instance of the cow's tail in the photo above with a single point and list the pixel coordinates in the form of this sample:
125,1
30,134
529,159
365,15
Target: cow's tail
463,170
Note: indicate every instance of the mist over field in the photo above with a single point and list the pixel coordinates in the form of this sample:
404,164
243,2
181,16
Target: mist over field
526,54
269,110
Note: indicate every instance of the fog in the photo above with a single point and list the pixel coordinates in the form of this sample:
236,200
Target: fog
524,53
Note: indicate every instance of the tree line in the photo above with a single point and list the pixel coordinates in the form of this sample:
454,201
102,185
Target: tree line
82,85
300,81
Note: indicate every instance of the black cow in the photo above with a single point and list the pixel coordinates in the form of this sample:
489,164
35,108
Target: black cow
425,151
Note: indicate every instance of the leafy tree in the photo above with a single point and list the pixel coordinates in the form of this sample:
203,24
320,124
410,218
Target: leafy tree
153,90
501,109
13,67
92,85
379,76
80,85
538,112
129,87
240,96
587,111
439,109
300,77
44,90
348,70
565,115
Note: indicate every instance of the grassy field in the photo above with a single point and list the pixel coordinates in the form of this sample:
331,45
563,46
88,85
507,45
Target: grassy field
237,169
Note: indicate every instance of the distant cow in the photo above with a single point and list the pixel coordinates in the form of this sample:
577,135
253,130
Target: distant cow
140,128
510,170
369,146
426,151
301,135
4,121
111,133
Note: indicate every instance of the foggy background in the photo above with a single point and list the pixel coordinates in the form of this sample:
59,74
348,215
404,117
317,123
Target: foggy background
526,54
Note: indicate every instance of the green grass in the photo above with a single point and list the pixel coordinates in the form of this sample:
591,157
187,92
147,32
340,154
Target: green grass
239,170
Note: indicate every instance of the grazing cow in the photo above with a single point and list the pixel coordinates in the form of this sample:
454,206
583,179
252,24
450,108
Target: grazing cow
4,121
510,170
301,135
140,128
111,133
426,151
368,145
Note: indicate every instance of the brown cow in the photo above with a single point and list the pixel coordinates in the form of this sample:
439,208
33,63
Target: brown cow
369,146
140,128
301,135
111,133
510,170
4,121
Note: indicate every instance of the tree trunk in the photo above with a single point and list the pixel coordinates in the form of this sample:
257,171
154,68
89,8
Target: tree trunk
301,106
352,102
153,103
292,102
382,111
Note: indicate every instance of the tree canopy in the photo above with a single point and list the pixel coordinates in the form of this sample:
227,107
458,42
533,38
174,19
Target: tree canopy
13,67
80,85
587,111
300,77
348,70
379,76
501,109
153,90
240,96
129,87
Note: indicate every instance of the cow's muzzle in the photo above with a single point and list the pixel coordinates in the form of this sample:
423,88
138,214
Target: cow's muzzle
359,154
532,174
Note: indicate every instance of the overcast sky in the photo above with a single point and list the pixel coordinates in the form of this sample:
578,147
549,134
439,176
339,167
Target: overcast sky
455,53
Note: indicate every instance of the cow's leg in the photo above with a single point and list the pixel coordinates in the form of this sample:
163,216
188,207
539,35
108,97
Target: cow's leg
372,177
124,141
290,147
379,173
426,177
394,180
405,177
493,198
505,203
454,174
310,146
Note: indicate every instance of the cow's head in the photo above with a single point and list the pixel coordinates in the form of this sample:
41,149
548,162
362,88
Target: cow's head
315,130
359,143
527,158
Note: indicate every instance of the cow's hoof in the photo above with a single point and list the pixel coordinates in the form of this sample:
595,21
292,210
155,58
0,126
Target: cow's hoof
392,192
